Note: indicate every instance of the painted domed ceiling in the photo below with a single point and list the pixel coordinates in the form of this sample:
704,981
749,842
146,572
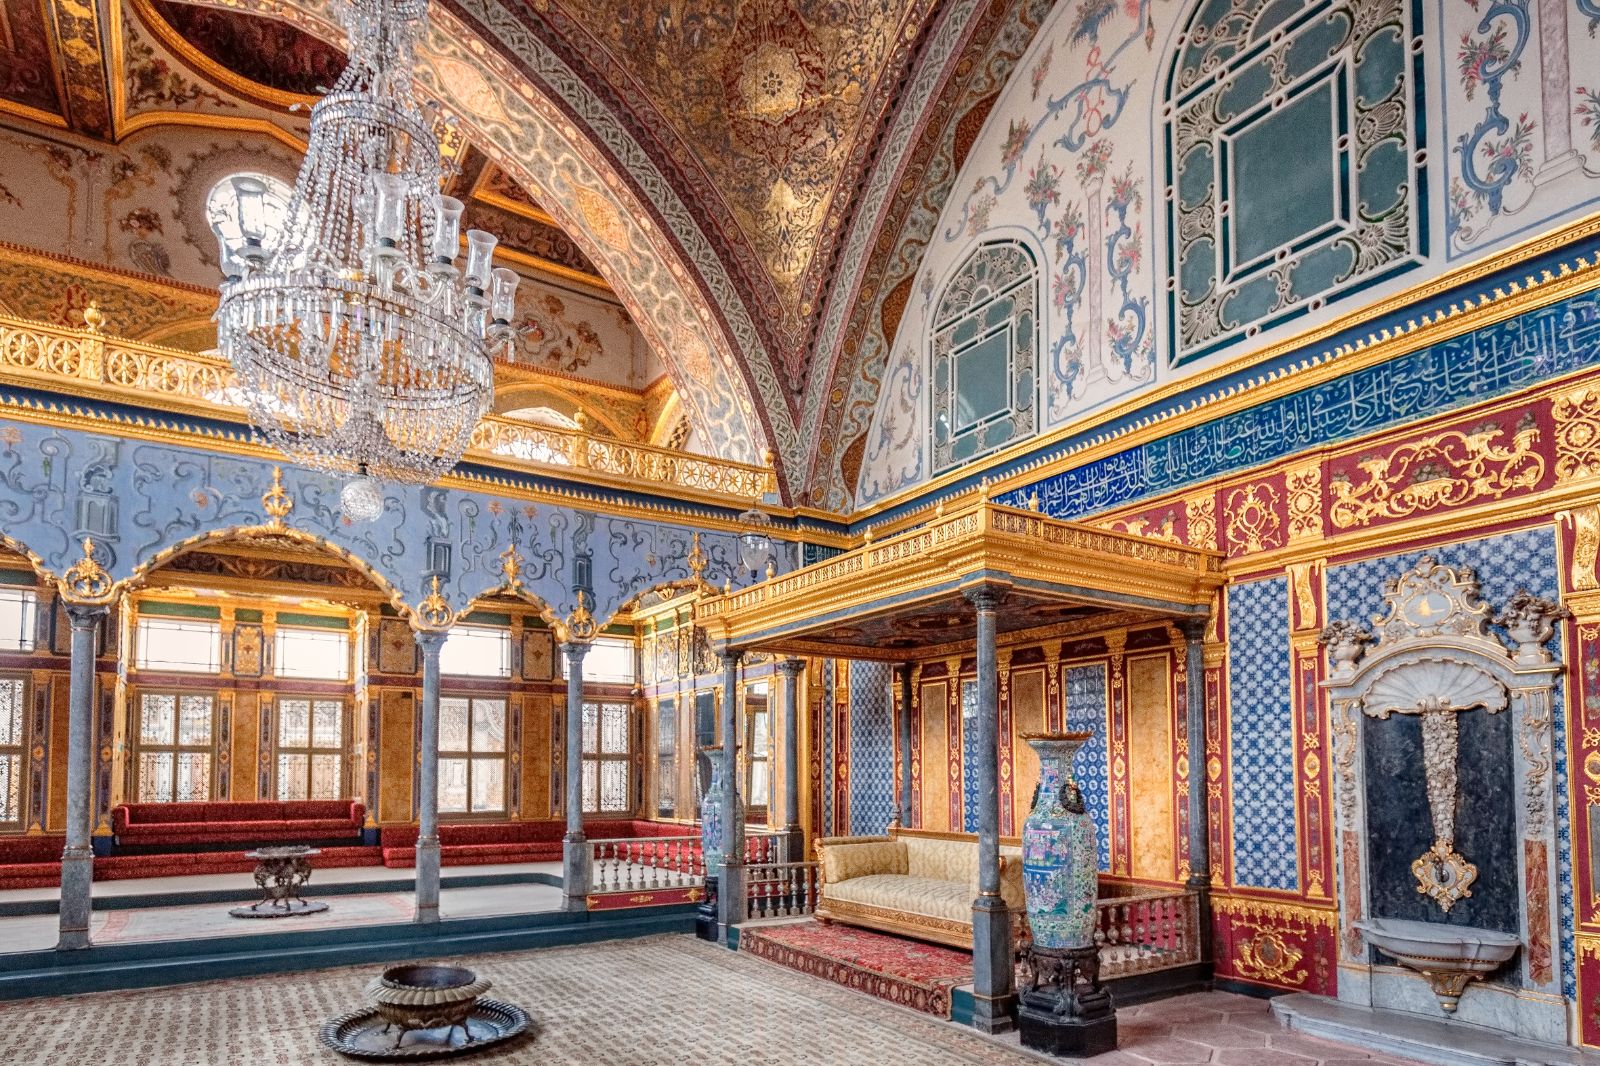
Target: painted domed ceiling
114,130
756,179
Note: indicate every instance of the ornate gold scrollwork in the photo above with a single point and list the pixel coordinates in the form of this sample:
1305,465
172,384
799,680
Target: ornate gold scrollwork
511,569
1577,418
1268,957
580,626
1253,520
275,502
1445,470
697,559
434,612
86,580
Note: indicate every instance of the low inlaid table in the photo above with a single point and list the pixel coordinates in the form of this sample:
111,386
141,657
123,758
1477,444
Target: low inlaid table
280,874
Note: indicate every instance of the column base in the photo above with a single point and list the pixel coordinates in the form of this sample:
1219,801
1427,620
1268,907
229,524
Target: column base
427,882
993,972
575,871
1071,1037
705,919
731,901
77,903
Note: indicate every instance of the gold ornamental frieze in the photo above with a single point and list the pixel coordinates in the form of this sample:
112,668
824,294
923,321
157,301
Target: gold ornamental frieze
1447,469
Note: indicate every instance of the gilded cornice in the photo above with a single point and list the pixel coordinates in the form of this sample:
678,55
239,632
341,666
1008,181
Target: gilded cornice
1251,909
1470,313
980,542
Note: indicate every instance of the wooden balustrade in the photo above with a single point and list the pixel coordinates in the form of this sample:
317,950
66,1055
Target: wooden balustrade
645,863
1147,931
781,890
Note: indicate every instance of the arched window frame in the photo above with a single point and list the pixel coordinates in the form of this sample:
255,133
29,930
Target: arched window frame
1239,68
994,274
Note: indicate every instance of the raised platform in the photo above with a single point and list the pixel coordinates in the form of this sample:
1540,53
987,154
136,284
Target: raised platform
1417,1038
166,962
905,972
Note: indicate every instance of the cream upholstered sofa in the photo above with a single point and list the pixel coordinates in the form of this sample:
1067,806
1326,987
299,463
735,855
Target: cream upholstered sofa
915,883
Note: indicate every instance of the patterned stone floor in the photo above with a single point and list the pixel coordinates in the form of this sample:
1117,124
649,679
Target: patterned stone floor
661,1001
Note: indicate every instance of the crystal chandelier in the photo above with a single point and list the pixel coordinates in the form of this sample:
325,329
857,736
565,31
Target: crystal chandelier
360,347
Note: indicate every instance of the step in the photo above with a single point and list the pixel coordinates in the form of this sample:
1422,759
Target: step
146,965
1413,1037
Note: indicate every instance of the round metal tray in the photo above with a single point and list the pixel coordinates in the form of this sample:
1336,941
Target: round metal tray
360,1034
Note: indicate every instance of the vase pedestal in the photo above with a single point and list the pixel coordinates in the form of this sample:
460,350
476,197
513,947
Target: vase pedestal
1063,1008
705,918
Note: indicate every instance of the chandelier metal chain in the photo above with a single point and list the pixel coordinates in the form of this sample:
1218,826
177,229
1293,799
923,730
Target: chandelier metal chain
360,346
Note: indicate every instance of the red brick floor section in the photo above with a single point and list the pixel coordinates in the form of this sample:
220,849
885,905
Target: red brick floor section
1221,1029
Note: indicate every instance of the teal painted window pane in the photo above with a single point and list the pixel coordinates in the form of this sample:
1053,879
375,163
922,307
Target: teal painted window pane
982,380
1283,175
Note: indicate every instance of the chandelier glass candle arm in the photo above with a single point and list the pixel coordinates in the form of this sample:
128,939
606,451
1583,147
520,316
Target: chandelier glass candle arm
361,347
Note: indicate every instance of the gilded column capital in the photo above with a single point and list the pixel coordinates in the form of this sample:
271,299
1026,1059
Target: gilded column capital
791,667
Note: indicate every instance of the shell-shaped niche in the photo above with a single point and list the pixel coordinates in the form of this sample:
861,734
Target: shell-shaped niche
1433,684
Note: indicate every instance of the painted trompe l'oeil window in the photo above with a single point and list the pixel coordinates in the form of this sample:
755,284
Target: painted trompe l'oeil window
472,755
310,760
13,750
1293,159
985,355
607,756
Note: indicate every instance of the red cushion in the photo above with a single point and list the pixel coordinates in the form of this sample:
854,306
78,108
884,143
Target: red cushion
29,849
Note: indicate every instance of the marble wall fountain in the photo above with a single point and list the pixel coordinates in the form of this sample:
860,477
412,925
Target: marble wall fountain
1442,745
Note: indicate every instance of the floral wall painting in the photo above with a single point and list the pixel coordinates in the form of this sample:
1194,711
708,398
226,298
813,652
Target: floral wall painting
1522,111
1205,180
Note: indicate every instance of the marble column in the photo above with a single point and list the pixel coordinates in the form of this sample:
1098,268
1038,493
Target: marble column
790,669
730,881
993,970
428,643
1194,632
575,846
77,859
902,816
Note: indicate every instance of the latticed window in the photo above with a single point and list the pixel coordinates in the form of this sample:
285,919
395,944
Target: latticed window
472,755
13,750
607,757
176,741
310,749
985,355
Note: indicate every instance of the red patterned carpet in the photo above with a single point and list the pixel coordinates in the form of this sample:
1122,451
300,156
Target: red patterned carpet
907,972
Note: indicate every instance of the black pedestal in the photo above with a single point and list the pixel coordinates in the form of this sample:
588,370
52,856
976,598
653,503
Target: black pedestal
705,919
1063,1008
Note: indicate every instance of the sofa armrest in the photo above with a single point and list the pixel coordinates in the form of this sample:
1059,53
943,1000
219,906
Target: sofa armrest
119,818
828,842
1011,884
358,814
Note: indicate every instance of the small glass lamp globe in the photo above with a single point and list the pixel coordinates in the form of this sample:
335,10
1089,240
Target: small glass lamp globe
361,500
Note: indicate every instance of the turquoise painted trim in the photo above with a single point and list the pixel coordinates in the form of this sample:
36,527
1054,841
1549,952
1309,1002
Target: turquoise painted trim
312,621
248,614
487,618
180,610
152,964
26,578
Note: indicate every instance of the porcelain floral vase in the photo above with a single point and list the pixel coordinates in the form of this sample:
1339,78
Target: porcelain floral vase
711,828
1060,865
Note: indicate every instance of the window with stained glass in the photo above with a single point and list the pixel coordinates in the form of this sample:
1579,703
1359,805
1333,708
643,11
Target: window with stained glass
19,614
472,755
180,645
176,746
607,756
312,653
757,746
13,750
310,748
476,651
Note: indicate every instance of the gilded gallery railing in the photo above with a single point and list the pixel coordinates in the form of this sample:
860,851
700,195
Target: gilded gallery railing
82,362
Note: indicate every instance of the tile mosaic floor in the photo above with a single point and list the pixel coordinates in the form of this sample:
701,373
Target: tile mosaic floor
660,1001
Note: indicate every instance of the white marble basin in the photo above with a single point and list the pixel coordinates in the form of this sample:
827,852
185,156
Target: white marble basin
1447,955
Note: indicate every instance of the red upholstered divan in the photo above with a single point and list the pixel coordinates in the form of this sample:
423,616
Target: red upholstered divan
176,825
483,843
30,861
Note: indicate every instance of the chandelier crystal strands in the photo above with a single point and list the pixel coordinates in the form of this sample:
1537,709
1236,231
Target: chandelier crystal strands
361,348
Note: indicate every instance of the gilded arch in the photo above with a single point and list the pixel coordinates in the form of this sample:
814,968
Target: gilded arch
699,329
